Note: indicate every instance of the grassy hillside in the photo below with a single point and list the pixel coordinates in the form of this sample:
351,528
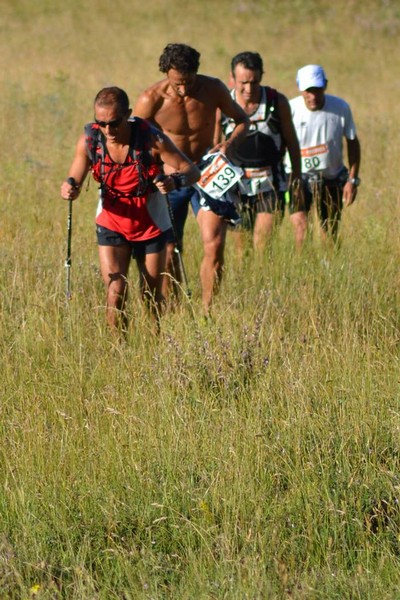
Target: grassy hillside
257,456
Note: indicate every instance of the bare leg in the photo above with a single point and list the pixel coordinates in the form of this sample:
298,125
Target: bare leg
151,268
239,237
299,221
173,271
114,267
241,234
262,230
329,212
213,233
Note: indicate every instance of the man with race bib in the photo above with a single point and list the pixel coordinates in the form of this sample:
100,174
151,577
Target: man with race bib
321,122
184,106
260,193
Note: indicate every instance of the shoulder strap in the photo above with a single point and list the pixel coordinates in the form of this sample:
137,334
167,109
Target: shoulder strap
271,99
93,141
140,150
138,143
140,140
272,94
272,109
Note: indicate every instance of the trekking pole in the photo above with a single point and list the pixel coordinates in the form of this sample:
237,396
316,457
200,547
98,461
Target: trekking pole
177,249
67,263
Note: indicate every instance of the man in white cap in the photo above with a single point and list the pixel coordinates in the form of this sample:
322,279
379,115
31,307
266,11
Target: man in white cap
321,122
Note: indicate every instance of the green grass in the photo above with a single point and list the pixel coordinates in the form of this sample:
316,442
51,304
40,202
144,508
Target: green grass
256,456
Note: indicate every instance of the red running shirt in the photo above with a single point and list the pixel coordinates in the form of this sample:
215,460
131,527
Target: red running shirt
129,203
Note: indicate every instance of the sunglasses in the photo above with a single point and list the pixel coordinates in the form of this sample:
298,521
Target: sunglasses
113,124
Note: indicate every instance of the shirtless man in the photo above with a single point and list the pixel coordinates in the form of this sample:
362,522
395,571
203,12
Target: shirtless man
184,106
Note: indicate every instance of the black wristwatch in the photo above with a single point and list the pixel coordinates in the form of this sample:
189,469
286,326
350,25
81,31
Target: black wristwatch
354,180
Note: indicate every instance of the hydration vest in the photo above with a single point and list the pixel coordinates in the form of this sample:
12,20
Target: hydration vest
263,145
139,157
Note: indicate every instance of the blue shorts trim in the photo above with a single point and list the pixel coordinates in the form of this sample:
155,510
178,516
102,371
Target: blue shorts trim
195,202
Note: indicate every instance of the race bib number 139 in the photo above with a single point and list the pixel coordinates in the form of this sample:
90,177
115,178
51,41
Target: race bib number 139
218,176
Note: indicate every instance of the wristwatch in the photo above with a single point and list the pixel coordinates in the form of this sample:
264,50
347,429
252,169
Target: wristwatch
354,180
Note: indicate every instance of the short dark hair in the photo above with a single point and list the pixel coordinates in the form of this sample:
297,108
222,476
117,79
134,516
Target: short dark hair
250,60
113,96
180,57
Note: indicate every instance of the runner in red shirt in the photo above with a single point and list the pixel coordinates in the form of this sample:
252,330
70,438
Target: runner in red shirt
132,220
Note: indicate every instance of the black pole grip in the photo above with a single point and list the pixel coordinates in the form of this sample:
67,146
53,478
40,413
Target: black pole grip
72,182
159,177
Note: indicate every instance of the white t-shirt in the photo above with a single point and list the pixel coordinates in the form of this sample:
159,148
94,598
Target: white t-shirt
321,133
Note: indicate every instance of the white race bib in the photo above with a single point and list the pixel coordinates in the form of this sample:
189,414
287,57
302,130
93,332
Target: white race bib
256,180
218,176
314,158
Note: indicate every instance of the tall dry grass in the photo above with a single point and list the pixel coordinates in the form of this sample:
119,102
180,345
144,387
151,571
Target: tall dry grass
253,457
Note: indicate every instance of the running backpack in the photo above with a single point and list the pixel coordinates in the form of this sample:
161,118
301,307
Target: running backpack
272,112
259,148
139,152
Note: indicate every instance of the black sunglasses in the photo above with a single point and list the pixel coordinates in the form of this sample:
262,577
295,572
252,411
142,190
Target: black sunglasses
113,124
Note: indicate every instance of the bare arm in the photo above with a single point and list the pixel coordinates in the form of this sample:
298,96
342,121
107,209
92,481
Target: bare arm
354,158
289,135
218,133
78,171
146,107
231,109
293,147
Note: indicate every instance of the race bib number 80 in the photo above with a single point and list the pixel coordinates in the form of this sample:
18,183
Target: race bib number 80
314,158
218,176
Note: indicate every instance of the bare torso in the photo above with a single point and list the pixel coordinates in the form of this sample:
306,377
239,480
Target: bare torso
188,120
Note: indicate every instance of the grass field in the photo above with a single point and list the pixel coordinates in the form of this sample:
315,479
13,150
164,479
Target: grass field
256,457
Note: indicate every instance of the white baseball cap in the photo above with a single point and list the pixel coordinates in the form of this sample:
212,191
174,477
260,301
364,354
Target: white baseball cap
311,76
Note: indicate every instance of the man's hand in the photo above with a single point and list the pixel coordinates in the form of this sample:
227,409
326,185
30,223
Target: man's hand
223,148
168,183
70,190
349,193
